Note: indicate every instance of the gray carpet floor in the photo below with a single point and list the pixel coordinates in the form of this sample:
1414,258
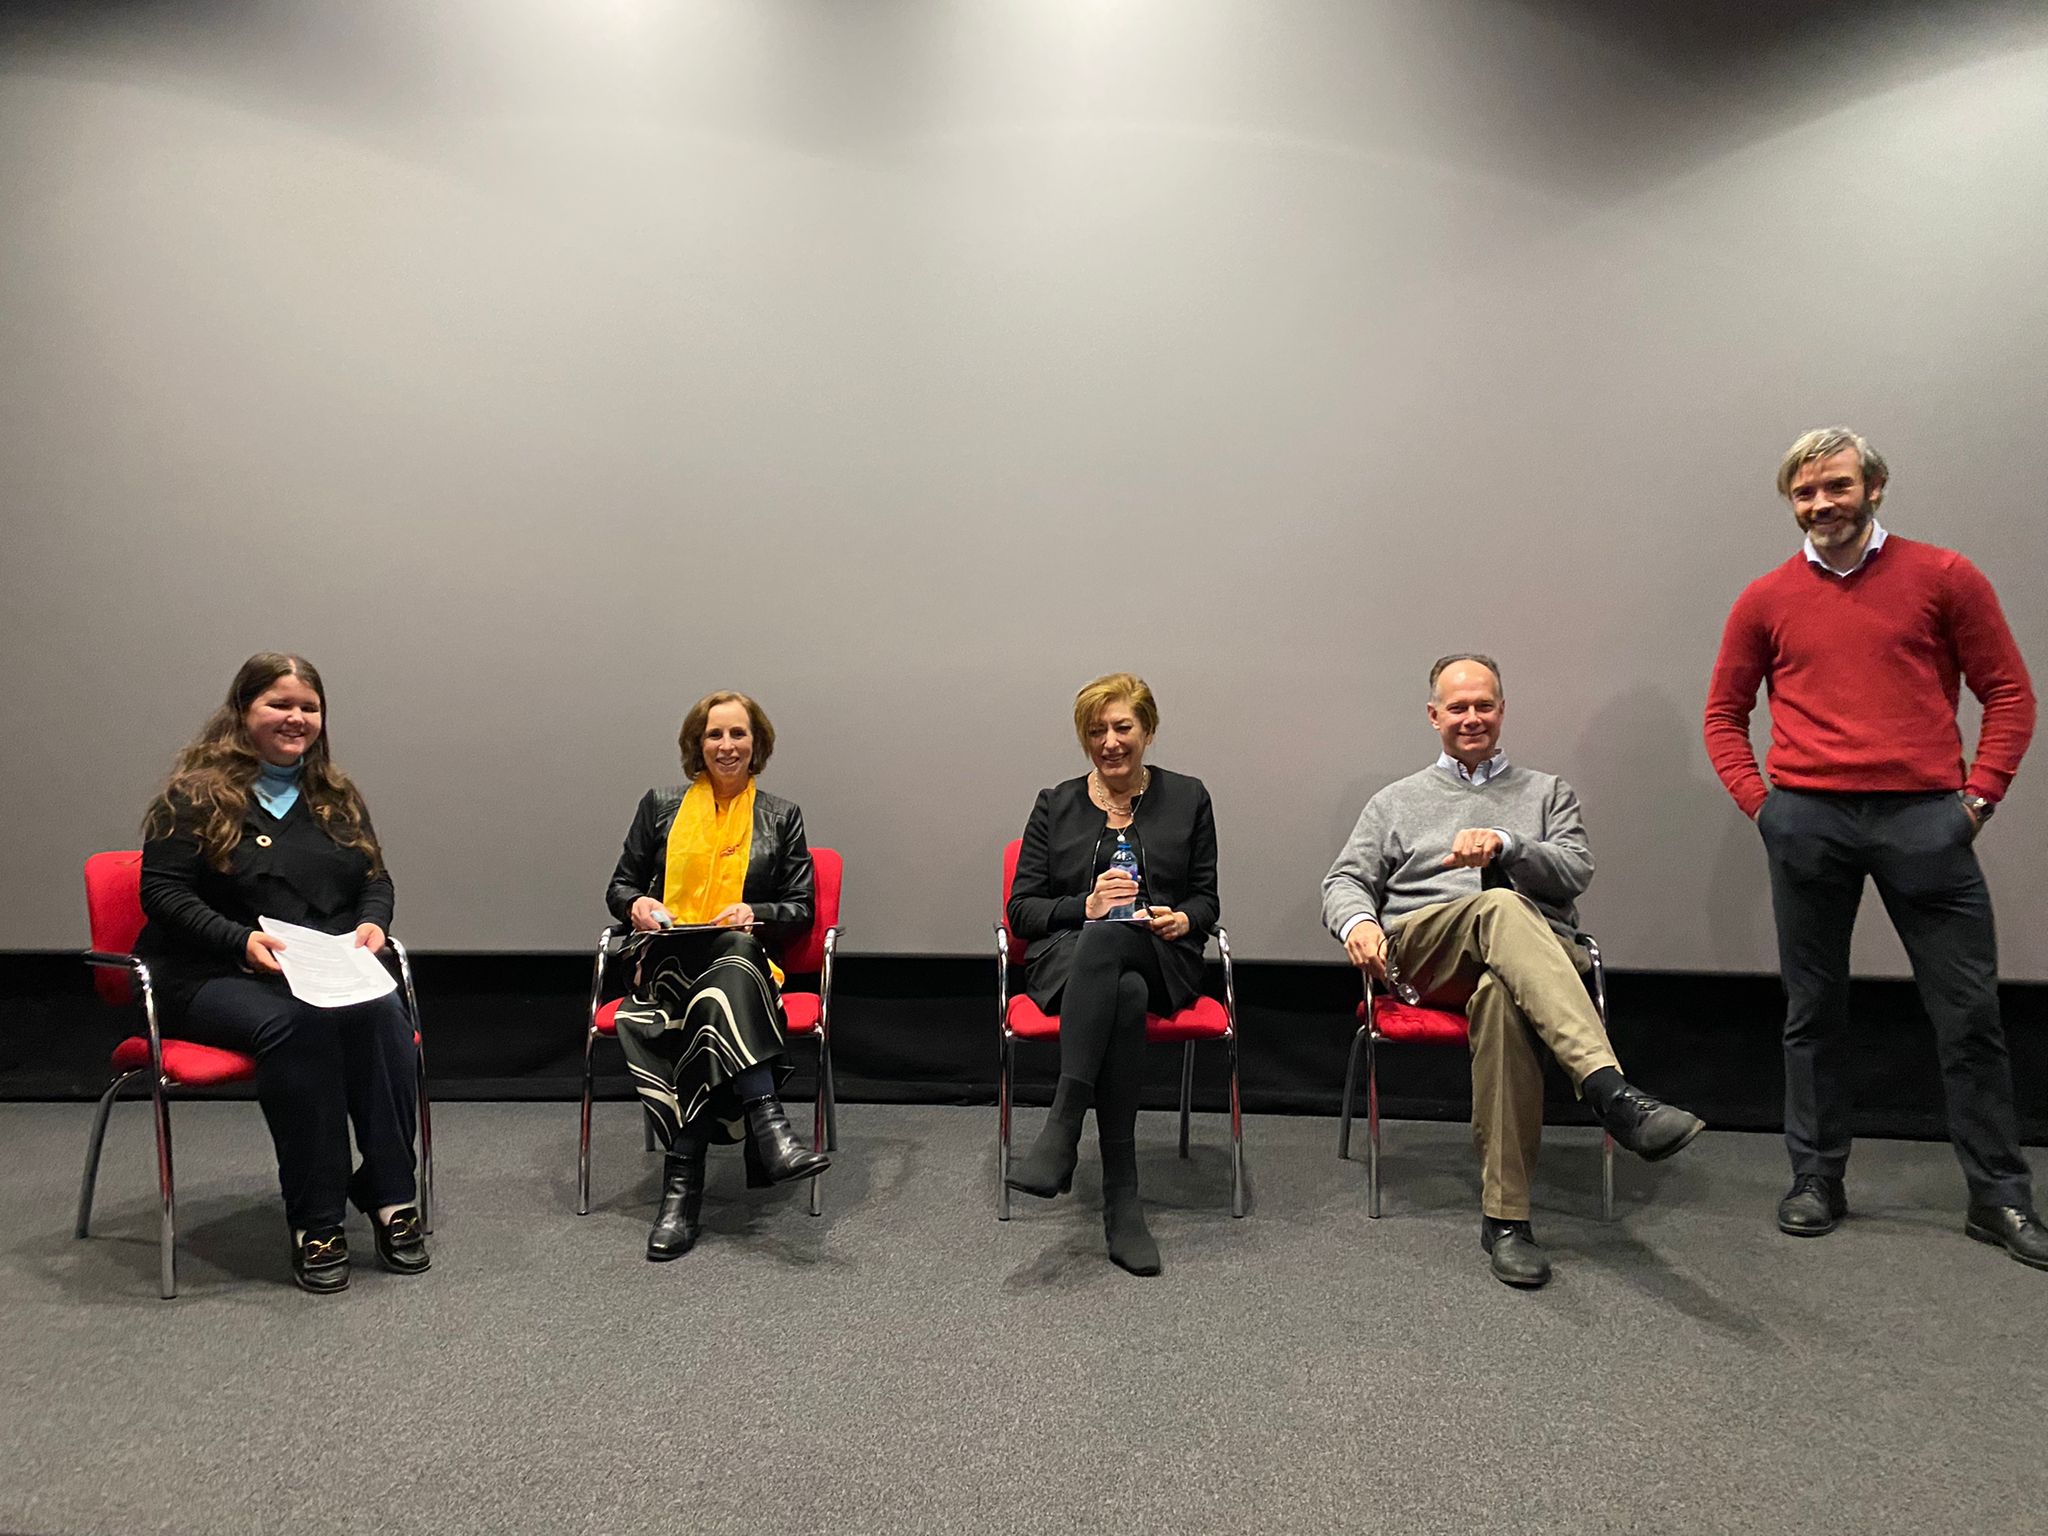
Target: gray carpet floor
904,1363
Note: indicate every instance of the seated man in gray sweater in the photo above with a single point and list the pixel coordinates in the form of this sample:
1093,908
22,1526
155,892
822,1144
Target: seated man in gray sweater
1462,879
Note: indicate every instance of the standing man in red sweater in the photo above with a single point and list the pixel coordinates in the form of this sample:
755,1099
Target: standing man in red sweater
1861,639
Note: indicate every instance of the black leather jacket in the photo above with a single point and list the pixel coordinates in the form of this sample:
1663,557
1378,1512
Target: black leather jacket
781,885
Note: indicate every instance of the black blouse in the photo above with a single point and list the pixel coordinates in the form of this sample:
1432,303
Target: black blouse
287,867
1067,843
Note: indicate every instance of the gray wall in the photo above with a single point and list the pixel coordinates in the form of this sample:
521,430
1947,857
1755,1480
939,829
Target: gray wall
536,367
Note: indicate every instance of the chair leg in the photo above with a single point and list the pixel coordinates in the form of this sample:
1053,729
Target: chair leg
1236,1138
92,1153
167,1233
1607,1177
583,1143
831,1090
1350,1082
1187,1090
426,1142
1005,1060
1372,1129
818,1137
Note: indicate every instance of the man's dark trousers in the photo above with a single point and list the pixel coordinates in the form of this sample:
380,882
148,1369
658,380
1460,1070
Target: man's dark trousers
1917,848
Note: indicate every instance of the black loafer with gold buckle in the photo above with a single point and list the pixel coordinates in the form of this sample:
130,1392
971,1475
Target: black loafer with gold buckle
402,1241
320,1261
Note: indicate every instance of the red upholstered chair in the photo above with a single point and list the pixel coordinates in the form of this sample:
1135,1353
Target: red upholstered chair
113,904
1019,1018
1384,1019
809,1014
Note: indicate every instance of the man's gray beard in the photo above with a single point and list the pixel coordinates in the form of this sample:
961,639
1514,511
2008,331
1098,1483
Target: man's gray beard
1850,532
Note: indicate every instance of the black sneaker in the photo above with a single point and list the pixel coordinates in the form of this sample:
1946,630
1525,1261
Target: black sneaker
320,1261
2011,1227
1812,1206
1518,1259
1648,1127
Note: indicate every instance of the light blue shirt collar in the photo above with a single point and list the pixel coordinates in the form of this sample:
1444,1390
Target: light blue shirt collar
1492,768
277,788
1877,538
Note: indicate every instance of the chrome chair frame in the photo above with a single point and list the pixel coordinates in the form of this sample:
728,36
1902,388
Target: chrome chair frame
825,1117
1006,1062
160,1087
1368,1038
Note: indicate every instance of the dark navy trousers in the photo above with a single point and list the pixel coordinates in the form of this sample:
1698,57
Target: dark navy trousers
318,1069
1917,849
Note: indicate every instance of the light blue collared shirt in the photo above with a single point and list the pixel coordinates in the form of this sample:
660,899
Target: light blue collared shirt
1476,777
1877,538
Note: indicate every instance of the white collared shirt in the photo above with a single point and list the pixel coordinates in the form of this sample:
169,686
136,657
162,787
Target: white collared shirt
1877,538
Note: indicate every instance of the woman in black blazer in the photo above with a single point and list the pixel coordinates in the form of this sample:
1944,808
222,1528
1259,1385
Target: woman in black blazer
1100,975
703,1030
257,821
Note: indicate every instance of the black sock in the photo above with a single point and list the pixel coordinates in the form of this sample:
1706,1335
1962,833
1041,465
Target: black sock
1601,1088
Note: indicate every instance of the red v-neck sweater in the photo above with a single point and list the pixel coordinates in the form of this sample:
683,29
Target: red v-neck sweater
1862,672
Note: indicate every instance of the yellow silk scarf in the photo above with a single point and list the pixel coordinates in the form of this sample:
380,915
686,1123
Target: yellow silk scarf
708,849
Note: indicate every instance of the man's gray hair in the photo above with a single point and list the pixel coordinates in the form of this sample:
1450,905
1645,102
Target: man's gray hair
1824,441
1436,669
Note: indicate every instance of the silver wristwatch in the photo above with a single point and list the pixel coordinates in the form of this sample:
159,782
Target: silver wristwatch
1977,806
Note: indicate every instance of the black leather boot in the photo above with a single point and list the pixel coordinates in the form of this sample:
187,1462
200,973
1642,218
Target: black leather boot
682,1203
1048,1168
782,1156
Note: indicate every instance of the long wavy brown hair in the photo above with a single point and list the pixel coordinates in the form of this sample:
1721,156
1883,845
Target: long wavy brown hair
214,775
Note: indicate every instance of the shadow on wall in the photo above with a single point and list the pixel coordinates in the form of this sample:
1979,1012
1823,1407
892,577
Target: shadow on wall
1642,762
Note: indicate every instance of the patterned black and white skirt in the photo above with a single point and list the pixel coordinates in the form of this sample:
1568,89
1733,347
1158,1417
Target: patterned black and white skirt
704,1008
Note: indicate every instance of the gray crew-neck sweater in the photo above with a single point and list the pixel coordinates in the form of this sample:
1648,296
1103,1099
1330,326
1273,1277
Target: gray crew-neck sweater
1393,863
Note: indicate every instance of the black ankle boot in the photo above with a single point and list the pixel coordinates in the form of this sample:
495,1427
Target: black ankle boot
782,1156
1123,1216
682,1203
1048,1168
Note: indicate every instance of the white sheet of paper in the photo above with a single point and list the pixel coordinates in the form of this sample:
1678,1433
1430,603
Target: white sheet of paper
328,970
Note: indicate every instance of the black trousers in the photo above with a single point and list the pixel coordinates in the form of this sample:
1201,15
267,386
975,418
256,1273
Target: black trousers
1917,848
318,1069
1115,980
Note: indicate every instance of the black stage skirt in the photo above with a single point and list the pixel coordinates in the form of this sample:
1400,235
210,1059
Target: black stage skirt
704,1008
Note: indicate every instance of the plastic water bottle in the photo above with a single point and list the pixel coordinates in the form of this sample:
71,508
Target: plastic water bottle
1124,858
661,917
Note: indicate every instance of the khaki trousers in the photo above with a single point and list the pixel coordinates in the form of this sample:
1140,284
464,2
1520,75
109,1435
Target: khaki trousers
1494,956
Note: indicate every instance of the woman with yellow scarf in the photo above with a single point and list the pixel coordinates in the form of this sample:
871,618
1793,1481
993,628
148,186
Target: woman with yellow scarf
704,1029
